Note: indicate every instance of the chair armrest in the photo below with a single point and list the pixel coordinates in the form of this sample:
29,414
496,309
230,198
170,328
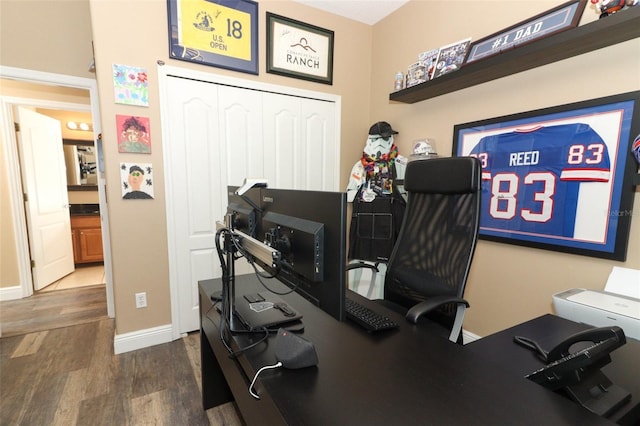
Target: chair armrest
363,265
428,305
358,265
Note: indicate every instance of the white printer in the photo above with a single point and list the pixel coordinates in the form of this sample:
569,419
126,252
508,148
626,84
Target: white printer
600,309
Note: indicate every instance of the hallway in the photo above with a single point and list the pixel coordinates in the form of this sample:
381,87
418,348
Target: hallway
83,276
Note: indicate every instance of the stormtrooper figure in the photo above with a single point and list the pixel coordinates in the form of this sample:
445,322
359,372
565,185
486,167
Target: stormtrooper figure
374,174
378,198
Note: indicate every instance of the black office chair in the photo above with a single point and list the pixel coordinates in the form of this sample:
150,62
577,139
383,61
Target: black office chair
428,268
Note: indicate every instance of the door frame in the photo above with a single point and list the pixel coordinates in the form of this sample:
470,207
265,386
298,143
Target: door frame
164,73
15,185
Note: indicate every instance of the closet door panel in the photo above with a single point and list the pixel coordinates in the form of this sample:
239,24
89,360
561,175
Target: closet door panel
318,146
242,145
193,182
281,120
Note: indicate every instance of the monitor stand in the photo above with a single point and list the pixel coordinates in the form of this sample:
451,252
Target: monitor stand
228,293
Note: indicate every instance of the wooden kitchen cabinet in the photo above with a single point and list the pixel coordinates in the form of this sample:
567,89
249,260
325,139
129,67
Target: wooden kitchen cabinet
87,238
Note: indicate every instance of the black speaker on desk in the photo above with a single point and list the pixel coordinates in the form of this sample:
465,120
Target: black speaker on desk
294,351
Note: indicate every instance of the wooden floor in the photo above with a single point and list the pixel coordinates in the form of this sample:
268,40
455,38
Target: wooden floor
66,373
49,310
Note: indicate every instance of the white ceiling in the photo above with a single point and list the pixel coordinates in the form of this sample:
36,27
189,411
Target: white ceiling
368,12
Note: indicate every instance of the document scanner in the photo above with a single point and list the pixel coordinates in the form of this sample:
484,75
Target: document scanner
600,309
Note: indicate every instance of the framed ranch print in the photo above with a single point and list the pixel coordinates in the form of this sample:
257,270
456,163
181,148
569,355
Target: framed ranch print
299,50
219,33
559,178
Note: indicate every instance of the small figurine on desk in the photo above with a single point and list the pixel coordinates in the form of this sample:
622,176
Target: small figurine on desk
609,7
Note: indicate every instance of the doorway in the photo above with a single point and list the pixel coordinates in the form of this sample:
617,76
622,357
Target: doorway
7,103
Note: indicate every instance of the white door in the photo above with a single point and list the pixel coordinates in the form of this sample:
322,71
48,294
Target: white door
47,207
217,135
194,182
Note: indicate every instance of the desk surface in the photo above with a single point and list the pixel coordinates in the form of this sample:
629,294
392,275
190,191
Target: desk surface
549,330
395,377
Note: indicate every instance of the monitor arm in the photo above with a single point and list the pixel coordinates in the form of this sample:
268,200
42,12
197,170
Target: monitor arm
250,183
268,255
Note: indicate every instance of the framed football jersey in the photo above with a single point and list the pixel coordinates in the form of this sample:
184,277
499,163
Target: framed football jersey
559,178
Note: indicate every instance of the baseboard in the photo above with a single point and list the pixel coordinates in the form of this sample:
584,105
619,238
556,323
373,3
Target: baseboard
141,339
468,337
10,293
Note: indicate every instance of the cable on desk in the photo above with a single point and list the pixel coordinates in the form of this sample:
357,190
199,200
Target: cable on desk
234,354
532,345
224,322
266,367
224,325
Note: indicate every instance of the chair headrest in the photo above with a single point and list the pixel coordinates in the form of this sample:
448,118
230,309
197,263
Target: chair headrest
448,175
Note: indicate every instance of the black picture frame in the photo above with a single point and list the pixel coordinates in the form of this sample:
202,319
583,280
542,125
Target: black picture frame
299,50
559,178
214,33
545,24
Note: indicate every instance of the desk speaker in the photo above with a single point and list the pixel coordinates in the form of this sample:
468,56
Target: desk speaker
294,351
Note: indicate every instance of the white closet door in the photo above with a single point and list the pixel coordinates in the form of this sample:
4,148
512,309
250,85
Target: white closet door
321,150
281,122
217,135
241,151
300,143
241,129
195,183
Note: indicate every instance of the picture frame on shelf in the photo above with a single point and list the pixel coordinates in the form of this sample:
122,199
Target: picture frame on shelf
299,50
451,57
559,178
218,33
553,21
416,74
429,58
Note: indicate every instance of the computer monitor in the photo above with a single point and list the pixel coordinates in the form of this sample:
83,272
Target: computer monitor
243,210
309,230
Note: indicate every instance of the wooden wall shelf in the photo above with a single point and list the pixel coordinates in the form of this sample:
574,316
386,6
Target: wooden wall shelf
613,29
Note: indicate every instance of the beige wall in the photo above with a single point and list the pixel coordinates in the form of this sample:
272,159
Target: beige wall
9,272
138,228
508,284
45,35
64,116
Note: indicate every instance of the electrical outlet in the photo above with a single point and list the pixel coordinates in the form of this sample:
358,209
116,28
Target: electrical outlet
141,300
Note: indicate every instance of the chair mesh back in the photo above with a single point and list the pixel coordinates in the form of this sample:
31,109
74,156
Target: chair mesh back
433,253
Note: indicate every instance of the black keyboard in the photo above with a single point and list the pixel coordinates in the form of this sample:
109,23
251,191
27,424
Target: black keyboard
367,318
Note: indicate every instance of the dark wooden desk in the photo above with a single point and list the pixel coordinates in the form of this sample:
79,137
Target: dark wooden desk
548,330
405,376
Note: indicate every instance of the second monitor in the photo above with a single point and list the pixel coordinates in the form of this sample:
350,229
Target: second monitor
309,230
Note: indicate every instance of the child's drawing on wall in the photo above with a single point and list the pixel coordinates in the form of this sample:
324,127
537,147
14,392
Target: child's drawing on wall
133,134
130,85
137,180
